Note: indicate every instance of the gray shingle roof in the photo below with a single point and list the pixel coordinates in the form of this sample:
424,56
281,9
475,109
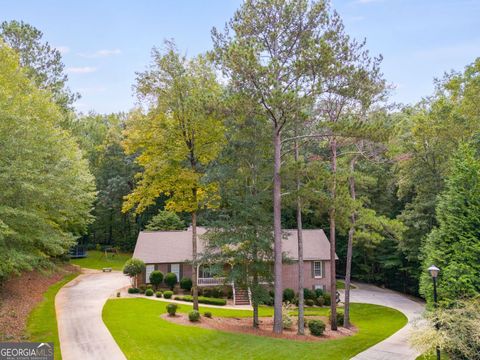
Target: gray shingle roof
176,246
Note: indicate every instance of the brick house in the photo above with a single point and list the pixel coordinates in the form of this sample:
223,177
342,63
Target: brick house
171,251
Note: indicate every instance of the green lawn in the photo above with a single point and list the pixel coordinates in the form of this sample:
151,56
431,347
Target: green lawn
97,260
42,321
141,334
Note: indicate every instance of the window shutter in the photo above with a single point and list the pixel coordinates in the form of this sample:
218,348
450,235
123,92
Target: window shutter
169,268
181,272
312,263
323,269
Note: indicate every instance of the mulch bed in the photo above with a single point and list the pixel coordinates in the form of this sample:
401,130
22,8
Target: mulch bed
20,294
244,325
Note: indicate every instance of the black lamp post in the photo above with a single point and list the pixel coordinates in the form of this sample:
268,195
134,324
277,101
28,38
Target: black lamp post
433,270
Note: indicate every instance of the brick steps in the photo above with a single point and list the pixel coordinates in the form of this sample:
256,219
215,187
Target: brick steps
241,297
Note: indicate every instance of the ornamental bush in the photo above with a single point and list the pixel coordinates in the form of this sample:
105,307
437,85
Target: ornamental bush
316,327
167,294
132,268
308,294
288,295
149,292
318,293
320,301
340,317
194,316
133,290
309,302
172,309
156,278
207,314
170,280
327,299
186,283
158,294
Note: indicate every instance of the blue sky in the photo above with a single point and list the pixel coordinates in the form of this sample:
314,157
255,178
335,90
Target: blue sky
105,42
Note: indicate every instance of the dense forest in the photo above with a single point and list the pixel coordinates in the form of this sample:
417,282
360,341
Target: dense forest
302,112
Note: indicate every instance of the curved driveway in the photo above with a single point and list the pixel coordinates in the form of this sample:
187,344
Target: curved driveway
396,347
82,333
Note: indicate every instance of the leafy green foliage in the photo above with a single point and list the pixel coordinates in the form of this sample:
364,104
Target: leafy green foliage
133,267
171,280
47,189
168,294
288,295
156,278
165,220
186,283
316,327
194,316
172,309
42,63
203,300
454,246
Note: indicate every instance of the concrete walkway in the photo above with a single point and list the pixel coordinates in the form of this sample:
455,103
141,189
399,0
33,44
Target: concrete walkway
79,304
396,347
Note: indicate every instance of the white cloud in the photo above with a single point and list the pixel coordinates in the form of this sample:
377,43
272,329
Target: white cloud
63,49
81,70
101,53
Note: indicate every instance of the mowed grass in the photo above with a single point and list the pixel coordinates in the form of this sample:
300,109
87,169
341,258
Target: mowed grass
42,321
97,260
141,333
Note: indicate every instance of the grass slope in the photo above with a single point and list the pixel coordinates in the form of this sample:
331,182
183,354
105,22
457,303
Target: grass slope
42,321
141,334
97,260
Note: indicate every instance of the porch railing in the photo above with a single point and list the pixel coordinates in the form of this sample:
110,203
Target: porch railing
211,281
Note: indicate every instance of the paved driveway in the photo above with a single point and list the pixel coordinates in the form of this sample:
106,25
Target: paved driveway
396,347
82,333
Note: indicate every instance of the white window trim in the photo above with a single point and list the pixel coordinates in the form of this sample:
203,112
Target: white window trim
149,268
175,272
321,270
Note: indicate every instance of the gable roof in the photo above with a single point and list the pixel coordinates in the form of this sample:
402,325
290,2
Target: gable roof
176,246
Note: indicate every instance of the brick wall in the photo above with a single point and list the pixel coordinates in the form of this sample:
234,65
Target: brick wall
290,276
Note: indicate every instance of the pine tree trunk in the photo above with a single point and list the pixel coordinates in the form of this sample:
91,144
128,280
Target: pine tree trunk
255,286
333,284
301,305
277,233
194,261
351,233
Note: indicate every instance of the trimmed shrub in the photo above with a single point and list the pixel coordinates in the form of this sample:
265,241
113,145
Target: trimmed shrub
167,294
133,290
340,317
170,280
142,288
318,293
288,295
202,300
156,278
149,286
207,314
132,268
316,327
309,302
320,301
186,284
172,309
194,316
149,292
158,294
308,294
327,299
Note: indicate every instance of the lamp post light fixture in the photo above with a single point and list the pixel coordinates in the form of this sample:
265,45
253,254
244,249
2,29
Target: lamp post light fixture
433,270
